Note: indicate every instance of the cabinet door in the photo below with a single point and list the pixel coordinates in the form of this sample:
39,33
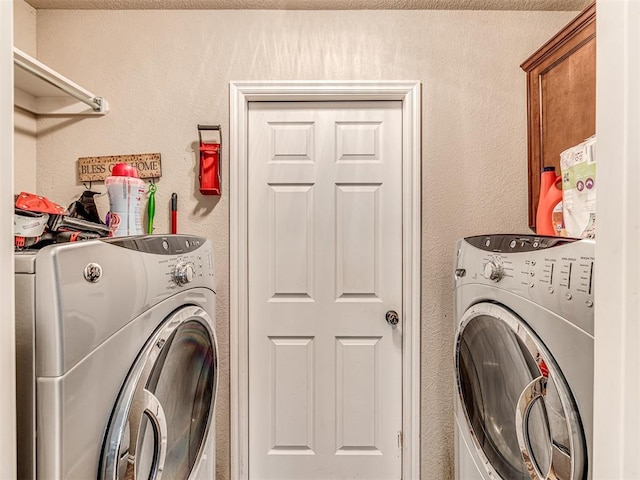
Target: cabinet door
561,97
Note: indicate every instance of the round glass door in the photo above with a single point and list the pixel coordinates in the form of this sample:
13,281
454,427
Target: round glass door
521,414
161,419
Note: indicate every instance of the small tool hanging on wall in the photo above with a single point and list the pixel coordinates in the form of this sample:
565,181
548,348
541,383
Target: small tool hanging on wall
210,152
151,205
174,213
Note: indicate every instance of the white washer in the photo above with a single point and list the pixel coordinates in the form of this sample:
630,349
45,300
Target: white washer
117,359
524,357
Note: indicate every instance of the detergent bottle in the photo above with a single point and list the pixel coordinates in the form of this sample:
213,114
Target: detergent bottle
126,191
549,203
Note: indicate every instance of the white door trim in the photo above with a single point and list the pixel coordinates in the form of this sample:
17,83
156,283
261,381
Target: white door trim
241,93
617,274
7,304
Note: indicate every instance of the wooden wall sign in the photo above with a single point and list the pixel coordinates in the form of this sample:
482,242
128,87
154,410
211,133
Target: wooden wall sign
91,169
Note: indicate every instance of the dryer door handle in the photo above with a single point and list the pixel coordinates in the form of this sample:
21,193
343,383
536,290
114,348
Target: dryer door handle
536,390
146,405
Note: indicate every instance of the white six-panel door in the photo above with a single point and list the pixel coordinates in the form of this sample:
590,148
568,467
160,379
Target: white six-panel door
324,267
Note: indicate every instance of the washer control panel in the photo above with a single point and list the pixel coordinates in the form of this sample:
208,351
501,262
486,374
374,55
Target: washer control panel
182,270
186,269
554,272
159,244
183,273
493,270
183,260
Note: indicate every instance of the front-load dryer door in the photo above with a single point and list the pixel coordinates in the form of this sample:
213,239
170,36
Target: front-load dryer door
520,412
162,416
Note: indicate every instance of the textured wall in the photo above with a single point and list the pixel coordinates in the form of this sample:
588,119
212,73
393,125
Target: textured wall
312,4
24,27
164,72
24,138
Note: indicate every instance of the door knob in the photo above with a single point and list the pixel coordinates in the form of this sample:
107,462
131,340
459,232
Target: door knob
392,318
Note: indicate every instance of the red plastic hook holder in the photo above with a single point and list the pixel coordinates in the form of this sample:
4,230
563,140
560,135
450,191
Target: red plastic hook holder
210,152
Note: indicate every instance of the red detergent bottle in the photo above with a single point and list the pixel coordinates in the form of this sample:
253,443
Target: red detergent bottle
550,197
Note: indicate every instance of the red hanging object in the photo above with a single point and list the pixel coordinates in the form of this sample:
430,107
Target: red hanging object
36,203
210,151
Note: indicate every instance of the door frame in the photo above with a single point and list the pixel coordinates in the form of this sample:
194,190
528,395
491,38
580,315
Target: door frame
241,93
8,452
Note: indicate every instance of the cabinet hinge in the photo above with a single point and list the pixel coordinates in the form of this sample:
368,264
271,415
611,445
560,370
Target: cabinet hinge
399,439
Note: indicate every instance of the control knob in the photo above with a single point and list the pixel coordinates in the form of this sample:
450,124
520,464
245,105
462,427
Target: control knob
493,271
183,273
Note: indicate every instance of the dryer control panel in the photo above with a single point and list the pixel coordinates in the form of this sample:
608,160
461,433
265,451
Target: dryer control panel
182,260
554,272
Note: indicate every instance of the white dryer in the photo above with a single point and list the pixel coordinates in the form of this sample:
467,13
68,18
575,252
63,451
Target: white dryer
524,357
116,359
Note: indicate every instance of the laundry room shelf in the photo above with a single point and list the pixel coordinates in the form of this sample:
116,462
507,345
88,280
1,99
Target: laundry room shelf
38,90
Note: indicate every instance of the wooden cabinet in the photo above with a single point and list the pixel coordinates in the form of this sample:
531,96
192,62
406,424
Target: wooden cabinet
561,97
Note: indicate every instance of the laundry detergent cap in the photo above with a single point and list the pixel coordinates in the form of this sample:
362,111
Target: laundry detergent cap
124,170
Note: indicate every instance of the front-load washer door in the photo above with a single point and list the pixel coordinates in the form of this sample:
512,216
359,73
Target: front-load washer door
521,415
162,416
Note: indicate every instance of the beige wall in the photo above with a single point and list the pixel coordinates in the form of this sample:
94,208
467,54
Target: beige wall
24,138
24,27
164,72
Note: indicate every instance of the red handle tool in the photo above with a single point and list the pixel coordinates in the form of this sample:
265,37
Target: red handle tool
210,152
174,213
